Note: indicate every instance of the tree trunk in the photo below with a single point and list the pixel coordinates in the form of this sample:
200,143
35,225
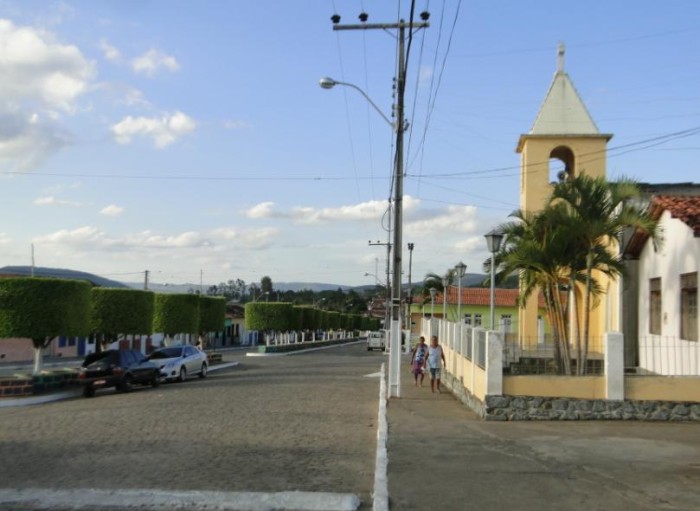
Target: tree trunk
39,345
563,338
587,311
577,327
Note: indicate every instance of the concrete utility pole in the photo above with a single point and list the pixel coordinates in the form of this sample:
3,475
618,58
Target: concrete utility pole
399,127
409,298
145,279
387,300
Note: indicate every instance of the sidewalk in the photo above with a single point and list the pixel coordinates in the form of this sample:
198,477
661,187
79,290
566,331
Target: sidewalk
442,456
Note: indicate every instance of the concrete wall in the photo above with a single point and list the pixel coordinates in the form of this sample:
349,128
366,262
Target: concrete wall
662,388
680,253
581,387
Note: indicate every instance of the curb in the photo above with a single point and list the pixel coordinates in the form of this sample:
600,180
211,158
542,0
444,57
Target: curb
301,352
381,484
146,499
218,367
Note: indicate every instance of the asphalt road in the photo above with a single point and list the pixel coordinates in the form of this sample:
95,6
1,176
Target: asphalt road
298,423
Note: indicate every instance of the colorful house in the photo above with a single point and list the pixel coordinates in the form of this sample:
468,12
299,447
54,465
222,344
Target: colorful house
475,309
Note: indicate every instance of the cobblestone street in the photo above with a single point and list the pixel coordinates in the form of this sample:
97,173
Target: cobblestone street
304,422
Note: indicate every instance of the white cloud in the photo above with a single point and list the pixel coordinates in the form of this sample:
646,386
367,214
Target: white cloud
148,239
81,236
110,52
163,130
112,210
454,219
153,61
50,200
254,239
39,80
370,210
235,124
39,70
4,239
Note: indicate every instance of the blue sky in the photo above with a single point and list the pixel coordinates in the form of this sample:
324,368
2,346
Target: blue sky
180,136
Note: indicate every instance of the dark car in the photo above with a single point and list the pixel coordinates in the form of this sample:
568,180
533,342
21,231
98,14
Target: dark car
117,368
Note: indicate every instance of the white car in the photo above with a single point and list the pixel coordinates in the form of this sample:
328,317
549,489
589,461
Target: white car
376,340
179,362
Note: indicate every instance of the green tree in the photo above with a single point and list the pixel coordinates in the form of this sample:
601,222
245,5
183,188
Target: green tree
120,311
41,309
276,316
599,211
266,284
176,313
212,314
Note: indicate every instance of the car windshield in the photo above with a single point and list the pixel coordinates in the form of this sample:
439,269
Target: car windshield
99,359
166,353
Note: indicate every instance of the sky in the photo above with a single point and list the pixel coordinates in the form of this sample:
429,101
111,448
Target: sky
192,138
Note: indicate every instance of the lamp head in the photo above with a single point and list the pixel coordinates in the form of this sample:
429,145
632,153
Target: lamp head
461,269
433,293
493,240
327,83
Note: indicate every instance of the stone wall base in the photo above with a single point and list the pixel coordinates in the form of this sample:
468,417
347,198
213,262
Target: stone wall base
521,408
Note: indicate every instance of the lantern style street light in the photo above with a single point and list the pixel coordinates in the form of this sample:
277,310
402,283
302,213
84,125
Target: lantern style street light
493,243
461,269
433,293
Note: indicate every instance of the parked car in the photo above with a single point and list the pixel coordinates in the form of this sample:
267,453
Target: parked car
117,368
179,362
376,340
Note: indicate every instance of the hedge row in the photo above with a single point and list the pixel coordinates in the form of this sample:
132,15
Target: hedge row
282,317
41,308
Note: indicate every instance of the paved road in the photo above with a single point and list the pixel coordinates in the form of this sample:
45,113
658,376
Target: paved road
305,422
440,452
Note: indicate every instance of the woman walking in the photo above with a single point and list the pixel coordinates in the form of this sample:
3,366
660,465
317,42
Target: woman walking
435,356
418,361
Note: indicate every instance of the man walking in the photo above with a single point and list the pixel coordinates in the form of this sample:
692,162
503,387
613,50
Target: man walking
435,357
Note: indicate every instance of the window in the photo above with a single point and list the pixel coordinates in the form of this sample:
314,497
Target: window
689,306
477,319
655,306
468,319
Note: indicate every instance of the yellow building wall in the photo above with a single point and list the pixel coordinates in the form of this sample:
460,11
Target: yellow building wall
662,388
535,190
578,387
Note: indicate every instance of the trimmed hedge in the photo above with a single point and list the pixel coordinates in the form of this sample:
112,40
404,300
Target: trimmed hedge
176,314
122,311
41,308
212,313
279,316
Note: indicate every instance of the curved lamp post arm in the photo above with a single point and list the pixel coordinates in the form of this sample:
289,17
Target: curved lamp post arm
329,83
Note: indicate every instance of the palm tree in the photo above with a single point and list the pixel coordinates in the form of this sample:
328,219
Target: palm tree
538,248
438,282
599,211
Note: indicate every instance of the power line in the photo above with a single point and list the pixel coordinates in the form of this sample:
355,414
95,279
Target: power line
155,177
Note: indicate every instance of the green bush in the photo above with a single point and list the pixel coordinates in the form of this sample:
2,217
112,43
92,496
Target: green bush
176,314
43,308
212,313
333,320
278,316
121,311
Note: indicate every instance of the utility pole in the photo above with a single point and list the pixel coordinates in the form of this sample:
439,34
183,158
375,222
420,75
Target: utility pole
145,280
387,300
394,387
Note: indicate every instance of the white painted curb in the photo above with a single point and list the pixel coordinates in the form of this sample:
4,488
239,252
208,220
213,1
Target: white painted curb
301,352
118,499
381,482
218,367
39,400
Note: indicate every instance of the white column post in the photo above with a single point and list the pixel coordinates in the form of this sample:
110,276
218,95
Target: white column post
494,364
614,366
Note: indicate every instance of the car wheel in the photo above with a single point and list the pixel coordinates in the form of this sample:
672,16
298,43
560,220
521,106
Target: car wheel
155,381
183,374
127,384
89,392
203,372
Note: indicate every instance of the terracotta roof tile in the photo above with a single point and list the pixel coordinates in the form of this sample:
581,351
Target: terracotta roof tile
683,207
481,296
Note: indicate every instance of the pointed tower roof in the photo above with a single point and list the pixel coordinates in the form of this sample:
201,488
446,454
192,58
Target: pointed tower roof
563,111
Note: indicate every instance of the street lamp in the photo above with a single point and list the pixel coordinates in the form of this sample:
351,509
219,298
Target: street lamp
461,269
433,292
398,127
445,283
493,242
266,294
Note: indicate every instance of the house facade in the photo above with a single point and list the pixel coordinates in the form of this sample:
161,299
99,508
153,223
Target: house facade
475,309
667,329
